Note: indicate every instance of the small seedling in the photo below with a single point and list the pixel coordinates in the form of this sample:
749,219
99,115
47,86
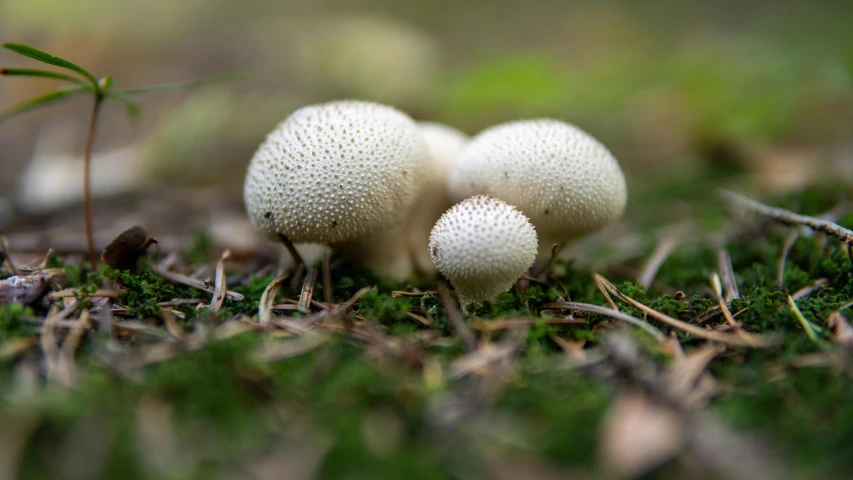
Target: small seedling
82,82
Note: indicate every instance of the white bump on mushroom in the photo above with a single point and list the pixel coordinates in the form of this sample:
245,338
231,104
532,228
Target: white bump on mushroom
444,144
336,173
564,180
482,245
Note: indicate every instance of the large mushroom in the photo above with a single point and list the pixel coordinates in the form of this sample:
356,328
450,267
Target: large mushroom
482,245
444,144
342,174
564,180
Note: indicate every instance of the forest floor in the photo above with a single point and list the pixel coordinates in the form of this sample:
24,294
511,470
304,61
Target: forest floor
714,348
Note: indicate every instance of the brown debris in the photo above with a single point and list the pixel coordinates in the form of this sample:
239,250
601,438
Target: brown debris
842,332
192,282
688,379
124,251
265,305
555,248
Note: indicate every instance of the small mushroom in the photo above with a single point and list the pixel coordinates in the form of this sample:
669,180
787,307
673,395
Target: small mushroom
342,174
482,245
444,144
564,180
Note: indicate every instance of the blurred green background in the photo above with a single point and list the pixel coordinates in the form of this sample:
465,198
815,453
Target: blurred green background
672,88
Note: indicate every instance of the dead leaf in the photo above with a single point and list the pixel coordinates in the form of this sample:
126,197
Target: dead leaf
126,248
279,350
639,434
689,382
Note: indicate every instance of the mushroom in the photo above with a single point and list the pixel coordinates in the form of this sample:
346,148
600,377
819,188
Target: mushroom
444,144
343,174
482,245
564,180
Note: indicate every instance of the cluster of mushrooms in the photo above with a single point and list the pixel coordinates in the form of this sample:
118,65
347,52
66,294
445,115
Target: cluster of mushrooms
397,195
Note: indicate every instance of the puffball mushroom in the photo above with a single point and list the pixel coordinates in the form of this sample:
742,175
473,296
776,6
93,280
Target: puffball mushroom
343,174
482,245
444,144
564,180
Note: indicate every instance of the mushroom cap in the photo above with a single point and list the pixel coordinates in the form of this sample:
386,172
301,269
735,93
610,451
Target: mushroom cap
482,245
334,172
444,144
564,180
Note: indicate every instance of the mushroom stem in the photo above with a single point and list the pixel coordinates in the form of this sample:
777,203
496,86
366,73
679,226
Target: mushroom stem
383,252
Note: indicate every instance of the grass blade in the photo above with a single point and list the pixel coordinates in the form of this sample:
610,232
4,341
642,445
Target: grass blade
131,108
40,101
809,327
45,57
30,72
168,87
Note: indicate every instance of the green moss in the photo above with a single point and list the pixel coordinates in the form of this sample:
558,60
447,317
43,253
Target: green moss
383,308
13,320
199,250
145,290
233,407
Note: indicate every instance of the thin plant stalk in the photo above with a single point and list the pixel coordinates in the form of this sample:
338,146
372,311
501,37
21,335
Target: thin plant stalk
87,174
101,90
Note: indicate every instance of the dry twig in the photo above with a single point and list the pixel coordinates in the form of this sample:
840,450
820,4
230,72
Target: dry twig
588,307
742,339
455,317
662,251
220,288
783,257
790,218
307,292
192,282
724,265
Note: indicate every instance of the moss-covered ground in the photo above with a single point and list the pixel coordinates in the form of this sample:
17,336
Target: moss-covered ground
371,392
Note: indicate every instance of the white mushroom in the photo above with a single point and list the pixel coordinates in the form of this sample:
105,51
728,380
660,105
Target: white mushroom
343,174
444,144
482,245
565,181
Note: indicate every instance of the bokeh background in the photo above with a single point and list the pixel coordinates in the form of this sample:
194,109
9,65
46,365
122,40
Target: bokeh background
686,94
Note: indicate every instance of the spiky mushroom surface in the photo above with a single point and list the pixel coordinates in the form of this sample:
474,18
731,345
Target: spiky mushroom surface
337,173
564,180
482,245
